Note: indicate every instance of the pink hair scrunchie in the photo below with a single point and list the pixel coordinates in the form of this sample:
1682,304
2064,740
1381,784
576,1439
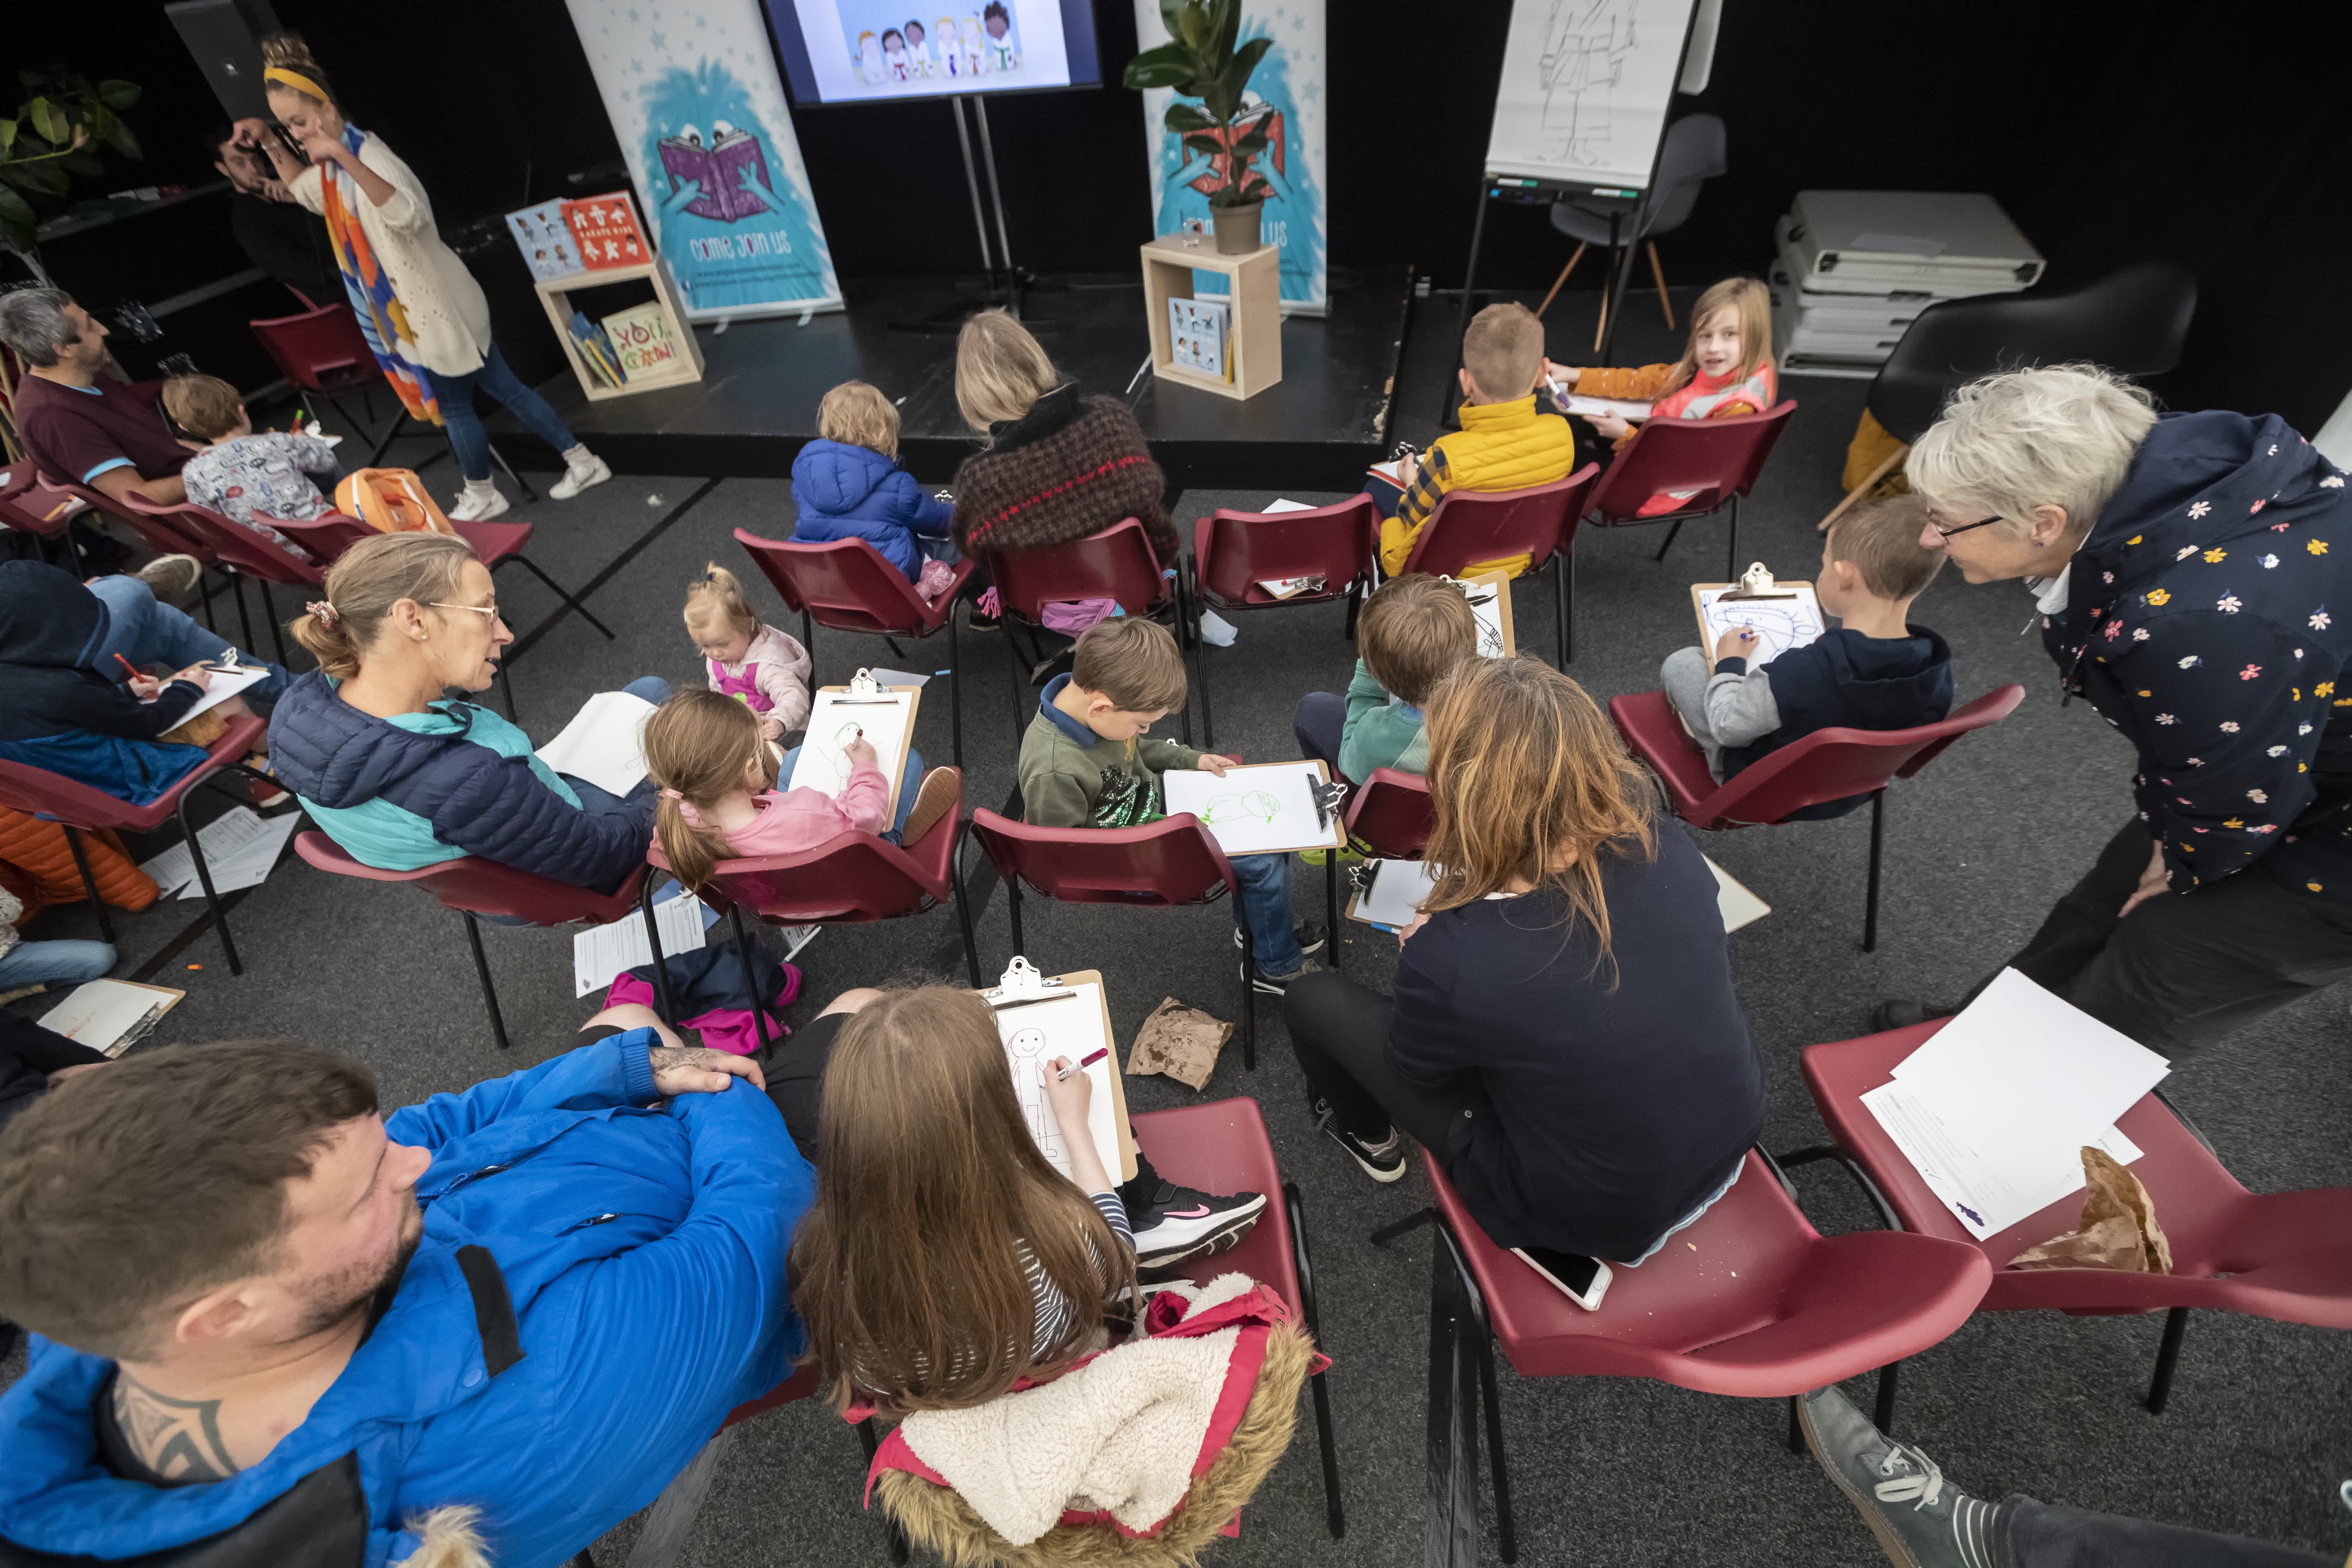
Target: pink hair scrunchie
326,612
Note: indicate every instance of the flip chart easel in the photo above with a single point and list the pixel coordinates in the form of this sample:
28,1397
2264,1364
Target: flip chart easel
1054,1010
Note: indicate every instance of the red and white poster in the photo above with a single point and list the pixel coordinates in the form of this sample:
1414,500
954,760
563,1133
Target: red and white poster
605,230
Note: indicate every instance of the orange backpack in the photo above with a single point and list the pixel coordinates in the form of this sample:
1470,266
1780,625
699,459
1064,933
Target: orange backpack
391,499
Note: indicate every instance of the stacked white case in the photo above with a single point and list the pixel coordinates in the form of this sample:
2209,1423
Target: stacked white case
1855,267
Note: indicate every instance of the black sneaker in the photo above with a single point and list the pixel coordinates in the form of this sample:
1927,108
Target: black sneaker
1904,1015
1384,1162
1309,935
1921,1519
1279,984
1182,1224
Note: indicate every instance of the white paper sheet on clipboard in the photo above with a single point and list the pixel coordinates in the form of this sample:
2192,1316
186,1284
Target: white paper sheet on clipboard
886,717
1076,1025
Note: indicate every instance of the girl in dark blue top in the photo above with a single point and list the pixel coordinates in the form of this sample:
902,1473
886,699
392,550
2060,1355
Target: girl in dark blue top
1563,1035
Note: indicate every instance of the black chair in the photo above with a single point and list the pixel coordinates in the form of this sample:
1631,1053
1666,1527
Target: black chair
2133,322
1691,154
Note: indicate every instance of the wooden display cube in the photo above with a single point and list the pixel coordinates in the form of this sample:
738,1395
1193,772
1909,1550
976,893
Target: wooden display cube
687,367
1255,296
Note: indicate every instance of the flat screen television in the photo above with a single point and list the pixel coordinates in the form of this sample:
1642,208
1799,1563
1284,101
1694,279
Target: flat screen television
877,51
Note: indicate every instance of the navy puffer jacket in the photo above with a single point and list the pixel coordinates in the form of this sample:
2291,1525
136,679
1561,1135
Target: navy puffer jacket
470,787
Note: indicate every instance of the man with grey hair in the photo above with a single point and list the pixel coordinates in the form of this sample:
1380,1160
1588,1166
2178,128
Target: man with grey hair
2194,576
80,425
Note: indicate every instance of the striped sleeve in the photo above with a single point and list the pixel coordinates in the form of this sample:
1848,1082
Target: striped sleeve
1114,1215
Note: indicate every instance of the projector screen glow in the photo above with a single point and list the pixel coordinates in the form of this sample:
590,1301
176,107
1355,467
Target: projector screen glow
876,51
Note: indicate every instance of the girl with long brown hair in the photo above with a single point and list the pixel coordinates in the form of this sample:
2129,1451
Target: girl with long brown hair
945,1257
1563,1036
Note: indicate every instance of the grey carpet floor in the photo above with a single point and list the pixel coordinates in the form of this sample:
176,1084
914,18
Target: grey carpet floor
1979,845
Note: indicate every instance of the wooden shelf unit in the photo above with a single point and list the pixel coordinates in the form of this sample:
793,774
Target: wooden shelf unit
554,294
1254,287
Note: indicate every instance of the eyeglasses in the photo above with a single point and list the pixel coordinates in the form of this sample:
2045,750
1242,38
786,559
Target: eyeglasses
489,610
1947,535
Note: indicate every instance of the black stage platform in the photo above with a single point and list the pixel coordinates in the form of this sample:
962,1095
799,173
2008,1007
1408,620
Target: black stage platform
757,402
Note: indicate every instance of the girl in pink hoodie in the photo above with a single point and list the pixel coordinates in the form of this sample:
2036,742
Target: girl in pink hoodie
718,795
761,668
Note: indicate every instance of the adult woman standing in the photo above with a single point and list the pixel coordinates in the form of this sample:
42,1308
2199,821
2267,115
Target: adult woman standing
1057,467
401,777
422,312
1564,1036
2194,576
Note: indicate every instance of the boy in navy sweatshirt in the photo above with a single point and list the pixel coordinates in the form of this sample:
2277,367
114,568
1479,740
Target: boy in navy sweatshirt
1876,671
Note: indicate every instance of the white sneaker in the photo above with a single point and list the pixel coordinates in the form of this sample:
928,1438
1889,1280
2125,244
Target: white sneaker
474,506
577,478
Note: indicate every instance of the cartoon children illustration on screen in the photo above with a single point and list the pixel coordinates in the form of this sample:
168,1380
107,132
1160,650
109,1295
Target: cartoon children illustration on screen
870,69
975,53
894,56
919,58
998,53
951,55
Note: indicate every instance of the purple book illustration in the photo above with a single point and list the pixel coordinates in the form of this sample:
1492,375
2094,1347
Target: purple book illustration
718,168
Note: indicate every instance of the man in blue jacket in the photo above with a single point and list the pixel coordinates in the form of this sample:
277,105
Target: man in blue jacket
485,1328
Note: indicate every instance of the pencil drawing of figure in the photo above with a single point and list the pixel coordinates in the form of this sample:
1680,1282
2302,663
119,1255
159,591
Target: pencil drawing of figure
1584,50
1257,803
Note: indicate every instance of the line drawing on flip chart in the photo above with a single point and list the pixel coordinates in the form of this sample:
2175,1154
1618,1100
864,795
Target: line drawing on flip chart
1584,49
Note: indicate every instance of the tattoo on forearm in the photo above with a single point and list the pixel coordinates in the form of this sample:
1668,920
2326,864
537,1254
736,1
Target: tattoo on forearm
179,1440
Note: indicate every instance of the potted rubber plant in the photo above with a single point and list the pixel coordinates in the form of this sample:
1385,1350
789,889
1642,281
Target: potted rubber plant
1201,63
55,136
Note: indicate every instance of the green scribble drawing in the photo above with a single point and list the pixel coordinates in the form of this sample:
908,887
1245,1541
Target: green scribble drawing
1227,808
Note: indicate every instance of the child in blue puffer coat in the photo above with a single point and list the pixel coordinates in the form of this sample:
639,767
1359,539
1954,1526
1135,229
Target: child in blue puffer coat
847,484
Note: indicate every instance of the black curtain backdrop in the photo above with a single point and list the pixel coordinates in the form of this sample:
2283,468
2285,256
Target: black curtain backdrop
2219,137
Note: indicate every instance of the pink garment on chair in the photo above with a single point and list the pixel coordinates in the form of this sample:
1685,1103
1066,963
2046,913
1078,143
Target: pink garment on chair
725,1029
1072,617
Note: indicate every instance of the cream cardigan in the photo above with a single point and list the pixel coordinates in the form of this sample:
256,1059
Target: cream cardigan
447,313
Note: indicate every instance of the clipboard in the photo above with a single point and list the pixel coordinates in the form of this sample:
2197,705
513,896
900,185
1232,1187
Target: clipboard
1494,614
1324,800
819,766
1415,876
1787,614
1023,987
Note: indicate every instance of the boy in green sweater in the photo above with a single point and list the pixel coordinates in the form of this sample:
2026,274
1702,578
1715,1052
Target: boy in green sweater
1413,630
1086,762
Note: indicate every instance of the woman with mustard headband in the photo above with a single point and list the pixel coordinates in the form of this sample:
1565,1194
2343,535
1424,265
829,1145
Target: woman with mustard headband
421,311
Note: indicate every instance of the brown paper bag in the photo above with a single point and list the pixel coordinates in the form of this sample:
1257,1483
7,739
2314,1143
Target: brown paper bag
1179,1041
2117,1230
201,731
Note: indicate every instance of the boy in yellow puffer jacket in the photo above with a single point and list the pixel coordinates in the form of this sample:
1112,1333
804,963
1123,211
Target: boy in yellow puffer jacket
1505,444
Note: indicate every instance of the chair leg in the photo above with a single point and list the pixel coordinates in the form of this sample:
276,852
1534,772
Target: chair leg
1658,272
570,603
1249,991
1184,613
205,590
1302,1261
1450,1520
1560,283
89,883
1731,545
270,613
2167,1356
1020,684
204,876
1671,533
1013,915
1885,466
1560,570
1506,1536
743,952
482,970
1870,901
653,945
963,922
506,690
1568,607
1331,906
244,618
391,434
808,641
1208,720
1412,1221
581,1558
1796,1433
1600,327
521,484
1886,1396
955,690
870,1443
1355,604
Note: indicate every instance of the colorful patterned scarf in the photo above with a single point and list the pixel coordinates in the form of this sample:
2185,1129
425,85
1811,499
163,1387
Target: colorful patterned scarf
383,321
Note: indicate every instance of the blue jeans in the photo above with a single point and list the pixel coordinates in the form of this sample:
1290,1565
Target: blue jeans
909,781
1261,894
145,630
1319,721
55,962
467,439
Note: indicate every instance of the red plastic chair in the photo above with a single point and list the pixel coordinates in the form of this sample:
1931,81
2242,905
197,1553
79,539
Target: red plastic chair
1233,551
1749,1302
852,878
473,886
1393,813
1161,865
1117,563
1718,459
83,809
2283,1255
1222,1147
1826,765
495,543
845,585
28,506
322,351
1539,522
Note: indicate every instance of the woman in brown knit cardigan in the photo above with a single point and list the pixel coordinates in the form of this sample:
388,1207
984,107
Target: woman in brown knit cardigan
1057,467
